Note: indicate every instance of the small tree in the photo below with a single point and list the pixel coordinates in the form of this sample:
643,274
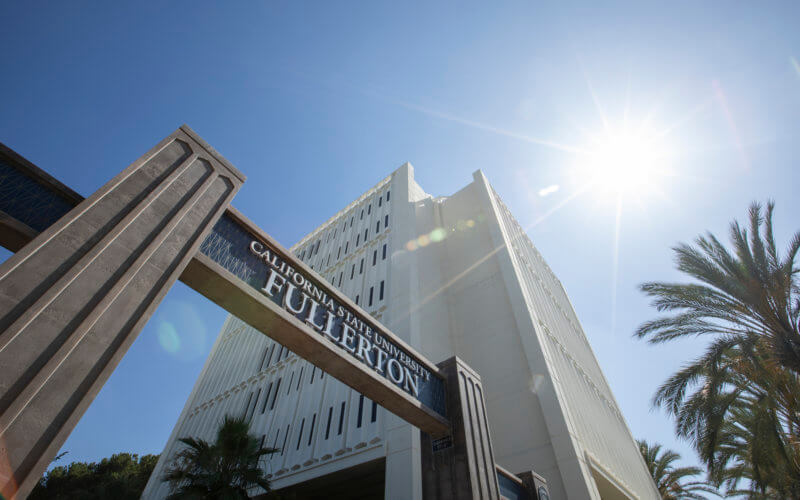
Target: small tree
671,481
226,468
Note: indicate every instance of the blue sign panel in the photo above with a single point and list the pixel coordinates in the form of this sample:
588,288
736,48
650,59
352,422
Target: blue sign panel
278,276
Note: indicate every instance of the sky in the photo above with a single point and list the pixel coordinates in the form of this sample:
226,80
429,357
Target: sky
317,101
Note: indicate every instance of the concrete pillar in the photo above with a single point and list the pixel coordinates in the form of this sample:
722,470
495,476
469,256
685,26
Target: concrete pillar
461,465
74,299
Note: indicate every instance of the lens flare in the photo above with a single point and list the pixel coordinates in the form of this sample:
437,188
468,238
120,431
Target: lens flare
423,240
438,235
168,337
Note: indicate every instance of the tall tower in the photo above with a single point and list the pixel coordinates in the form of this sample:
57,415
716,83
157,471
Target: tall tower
451,276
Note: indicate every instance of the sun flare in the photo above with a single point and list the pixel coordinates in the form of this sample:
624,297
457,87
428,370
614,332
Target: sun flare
624,162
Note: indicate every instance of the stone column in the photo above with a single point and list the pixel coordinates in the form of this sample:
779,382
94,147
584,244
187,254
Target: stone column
461,464
74,299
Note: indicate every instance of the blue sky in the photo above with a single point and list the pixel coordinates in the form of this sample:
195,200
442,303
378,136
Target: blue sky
328,98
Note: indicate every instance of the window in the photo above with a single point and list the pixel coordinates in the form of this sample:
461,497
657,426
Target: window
369,209
374,412
362,214
328,427
300,434
300,378
266,398
247,406
387,195
341,419
378,227
339,253
374,257
303,255
285,438
357,297
275,397
311,431
380,294
361,267
386,222
352,271
346,247
357,239
380,201
329,260
313,371
316,249
360,410
366,232
352,220
289,386
371,289
384,252
341,274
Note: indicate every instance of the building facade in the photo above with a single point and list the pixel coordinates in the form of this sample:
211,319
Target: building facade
451,276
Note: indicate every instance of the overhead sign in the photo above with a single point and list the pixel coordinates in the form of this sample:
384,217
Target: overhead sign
288,283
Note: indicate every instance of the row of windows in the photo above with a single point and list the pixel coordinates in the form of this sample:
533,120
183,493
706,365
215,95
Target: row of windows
339,254
332,278
313,248
339,427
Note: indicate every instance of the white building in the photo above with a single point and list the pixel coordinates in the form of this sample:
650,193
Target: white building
451,275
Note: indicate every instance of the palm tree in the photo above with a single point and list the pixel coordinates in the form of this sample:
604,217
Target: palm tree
738,402
225,469
670,479
750,292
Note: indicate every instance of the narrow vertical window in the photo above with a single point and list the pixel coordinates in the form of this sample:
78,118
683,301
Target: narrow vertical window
366,232
361,267
311,431
362,214
341,275
247,406
266,398
374,257
285,438
313,371
303,255
346,247
357,297
300,434
289,385
328,427
374,416
358,236
339,253
380,294
255,403
352,219
341,419
387,195
377,227
275,397
271,352
384,252
380,201
263,358
329,260
352,271
360,410
369,209
371,289
300,378
386,222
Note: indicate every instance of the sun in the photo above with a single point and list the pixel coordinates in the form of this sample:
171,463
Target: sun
624,162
